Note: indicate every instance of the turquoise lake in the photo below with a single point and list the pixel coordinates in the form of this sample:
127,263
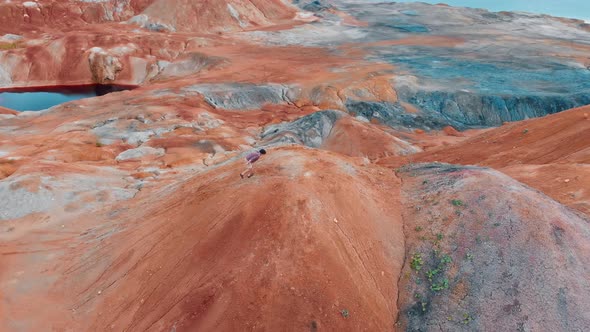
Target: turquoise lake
36,99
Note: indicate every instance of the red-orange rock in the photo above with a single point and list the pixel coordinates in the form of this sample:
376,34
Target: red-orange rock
4,110
450,131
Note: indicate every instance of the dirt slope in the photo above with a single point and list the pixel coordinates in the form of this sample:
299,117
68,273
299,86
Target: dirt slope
558,138
213,15
550,153
4,110
484,252
312,238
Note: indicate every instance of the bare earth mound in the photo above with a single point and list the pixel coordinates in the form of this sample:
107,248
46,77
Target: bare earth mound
551,154
481,255
301,244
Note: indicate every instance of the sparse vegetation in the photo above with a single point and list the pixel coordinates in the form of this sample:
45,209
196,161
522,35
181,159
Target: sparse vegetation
496,224
441,285
98,144
446,259
457,202
418,228
467,318
525,131
416,263
344,313
439,236
432,273
469,256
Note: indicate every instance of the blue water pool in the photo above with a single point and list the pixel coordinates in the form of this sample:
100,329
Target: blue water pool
36,99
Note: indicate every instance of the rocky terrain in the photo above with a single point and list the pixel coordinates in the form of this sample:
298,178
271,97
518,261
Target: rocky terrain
427,168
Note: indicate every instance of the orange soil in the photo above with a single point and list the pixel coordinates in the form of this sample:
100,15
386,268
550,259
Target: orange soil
310,235
550,153
4,110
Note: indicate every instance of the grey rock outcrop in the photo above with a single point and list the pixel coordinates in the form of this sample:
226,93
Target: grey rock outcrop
395,116
466,110
192,63
313,5
241,96
138,153
310,130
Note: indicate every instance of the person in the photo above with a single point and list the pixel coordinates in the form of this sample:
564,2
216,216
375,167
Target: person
251,159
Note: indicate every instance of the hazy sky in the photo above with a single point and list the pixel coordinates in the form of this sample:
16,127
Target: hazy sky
565,8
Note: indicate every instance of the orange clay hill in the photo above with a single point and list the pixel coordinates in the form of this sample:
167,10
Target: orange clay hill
418,176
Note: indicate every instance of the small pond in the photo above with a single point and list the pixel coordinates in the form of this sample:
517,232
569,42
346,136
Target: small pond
36,99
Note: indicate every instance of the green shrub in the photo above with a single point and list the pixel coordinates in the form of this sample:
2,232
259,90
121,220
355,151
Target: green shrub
457,202
344,313
417,262
443,284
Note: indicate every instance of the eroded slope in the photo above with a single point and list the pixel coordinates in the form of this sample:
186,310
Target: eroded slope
484,252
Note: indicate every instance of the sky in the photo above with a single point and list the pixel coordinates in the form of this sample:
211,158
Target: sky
565,8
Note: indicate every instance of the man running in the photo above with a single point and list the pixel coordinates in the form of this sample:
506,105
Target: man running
251,159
